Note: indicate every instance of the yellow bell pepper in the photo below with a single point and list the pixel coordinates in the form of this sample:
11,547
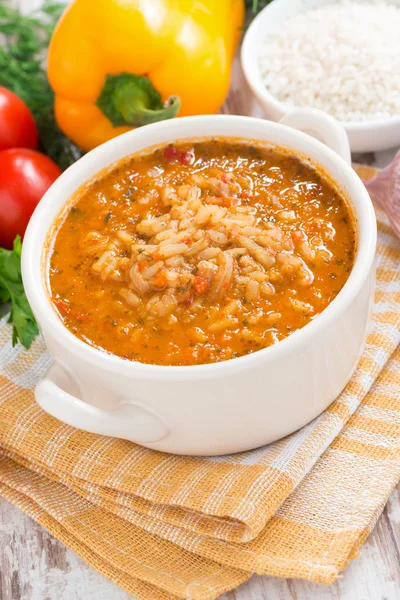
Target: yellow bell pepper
117,64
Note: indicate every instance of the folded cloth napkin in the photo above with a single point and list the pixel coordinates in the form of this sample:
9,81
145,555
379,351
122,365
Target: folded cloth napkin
164,526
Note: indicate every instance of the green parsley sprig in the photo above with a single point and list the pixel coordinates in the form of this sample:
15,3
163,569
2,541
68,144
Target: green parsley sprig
254,6
25,328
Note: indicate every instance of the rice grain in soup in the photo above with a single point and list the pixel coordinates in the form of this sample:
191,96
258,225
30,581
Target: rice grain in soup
199,252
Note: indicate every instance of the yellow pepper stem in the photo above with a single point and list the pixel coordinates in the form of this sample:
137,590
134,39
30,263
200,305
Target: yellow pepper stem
128,99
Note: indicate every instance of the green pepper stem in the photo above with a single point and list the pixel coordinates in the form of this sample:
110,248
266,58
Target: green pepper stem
128,99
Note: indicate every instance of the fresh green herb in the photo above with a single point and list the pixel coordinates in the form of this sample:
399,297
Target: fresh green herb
25,328
254,6
23,44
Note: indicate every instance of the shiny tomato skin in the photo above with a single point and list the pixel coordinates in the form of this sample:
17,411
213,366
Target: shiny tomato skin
17,127
25,175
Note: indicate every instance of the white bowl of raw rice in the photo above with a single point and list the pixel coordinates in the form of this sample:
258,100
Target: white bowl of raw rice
340,56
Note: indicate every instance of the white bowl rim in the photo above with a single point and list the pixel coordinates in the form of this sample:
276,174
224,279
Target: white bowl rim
250,65
34,281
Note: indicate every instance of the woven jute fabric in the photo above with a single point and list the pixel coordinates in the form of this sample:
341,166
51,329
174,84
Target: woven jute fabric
164,526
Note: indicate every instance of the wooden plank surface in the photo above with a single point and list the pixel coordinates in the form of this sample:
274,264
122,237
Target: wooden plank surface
36,566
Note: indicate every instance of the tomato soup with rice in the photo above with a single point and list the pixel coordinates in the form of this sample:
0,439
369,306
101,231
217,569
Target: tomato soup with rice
199,252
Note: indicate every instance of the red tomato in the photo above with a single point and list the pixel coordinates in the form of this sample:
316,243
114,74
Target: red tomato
17,127
25,175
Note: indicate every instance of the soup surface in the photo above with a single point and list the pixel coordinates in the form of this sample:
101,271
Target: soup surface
198,253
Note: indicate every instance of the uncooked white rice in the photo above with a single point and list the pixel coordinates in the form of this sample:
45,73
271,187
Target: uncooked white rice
343,58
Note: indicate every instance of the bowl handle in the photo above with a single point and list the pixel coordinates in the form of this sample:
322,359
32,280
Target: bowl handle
321,126
128,421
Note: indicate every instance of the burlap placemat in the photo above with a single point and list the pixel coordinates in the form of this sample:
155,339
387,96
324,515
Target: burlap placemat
165,526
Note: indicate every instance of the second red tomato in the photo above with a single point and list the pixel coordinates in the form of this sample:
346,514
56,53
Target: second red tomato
25,175
17,127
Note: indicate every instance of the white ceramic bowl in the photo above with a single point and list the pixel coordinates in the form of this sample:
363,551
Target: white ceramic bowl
369,136
215,408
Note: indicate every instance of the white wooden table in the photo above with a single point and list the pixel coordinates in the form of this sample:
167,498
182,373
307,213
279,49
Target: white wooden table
36,566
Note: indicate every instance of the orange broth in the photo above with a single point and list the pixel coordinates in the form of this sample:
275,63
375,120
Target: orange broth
199,252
